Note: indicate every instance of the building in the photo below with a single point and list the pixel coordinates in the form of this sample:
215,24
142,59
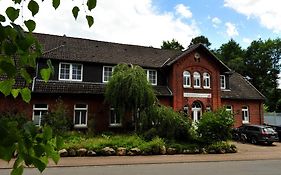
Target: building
193,81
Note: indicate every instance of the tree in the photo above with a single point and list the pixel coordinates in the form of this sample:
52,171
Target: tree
200,39
128,91
19,49
18,53
232,55
172,45
263,66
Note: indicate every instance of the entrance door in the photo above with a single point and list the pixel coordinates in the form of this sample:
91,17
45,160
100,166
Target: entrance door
196,111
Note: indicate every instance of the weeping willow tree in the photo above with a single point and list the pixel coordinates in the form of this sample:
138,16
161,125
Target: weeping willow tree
128,91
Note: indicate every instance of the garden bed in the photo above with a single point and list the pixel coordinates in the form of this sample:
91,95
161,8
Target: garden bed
133,145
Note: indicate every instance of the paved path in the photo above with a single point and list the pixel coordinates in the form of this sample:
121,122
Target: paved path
245,152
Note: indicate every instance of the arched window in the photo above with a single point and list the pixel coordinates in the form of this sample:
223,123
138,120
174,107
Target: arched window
206,80
186,79
196,79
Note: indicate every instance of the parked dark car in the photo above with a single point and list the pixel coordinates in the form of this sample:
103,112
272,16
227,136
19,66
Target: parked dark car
259,133
277,129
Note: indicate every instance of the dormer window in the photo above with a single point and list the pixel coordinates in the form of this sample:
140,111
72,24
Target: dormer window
70,71
186,79
206,80
222,82
107,73
196,80
151,76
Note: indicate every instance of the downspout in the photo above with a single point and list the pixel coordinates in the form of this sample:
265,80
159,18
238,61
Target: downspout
34,78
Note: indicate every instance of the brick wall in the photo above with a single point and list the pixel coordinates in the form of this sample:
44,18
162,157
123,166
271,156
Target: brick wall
255,110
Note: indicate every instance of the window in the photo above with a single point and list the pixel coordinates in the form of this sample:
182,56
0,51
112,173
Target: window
245,114
152,76
185,110
228,108
72,72
196,79
114,119
206,80
186,79
39,111
80,115
107,73
223,83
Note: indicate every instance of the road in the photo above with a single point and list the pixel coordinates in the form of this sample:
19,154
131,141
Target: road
254,167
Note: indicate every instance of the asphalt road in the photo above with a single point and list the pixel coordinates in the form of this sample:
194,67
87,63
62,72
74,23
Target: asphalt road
254,167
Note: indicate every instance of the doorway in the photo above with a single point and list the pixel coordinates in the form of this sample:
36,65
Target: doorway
196,111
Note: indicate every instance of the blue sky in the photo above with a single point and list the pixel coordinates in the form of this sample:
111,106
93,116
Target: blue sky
205,11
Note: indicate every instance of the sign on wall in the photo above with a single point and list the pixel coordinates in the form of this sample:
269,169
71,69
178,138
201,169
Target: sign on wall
197,95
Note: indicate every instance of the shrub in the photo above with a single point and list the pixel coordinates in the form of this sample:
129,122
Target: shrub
19,118
215,126
164,122
58,119
220,147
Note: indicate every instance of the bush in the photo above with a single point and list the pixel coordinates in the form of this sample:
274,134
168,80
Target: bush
215,126
221,147
58,119
18,117
164,122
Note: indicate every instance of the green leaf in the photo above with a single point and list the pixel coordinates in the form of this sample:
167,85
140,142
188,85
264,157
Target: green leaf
2,18
33,7
45,74
30,24
90,20
39,164
12,13
17,1
25,75
17,170
47,133
6,86
15,92
55,156
91,4
8,68
75,11
56,3
9,47
26,94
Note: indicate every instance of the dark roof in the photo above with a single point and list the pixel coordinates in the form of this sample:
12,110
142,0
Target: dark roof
241,88
85,50
70,87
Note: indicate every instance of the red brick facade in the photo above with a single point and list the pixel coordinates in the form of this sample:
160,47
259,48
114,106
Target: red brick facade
169,66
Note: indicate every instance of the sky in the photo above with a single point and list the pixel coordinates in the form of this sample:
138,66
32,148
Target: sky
149,22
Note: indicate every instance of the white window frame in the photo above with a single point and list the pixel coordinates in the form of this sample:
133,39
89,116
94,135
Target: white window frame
245,114
186,79
80,118
114,123
206,80
71,72
41,112
103,73
196,80
229,108
222,82
147,76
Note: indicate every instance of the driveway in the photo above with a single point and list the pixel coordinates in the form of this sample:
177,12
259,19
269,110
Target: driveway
245,152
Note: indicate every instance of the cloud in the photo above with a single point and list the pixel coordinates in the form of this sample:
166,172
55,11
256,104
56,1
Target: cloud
183,11
216,22
123,21
231,29
267,12
247,40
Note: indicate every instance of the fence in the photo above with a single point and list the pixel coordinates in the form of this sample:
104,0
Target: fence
272,118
